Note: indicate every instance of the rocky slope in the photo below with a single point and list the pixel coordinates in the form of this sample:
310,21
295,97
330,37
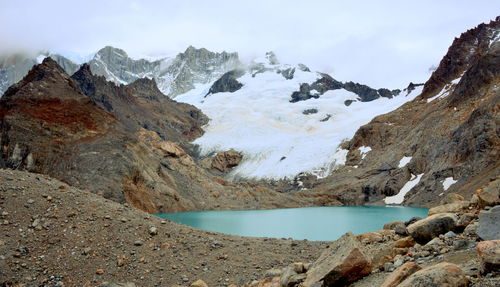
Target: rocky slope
52,234
446,140
108,139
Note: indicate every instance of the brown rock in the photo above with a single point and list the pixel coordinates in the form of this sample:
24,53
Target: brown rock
99,271
426,229
450,207
371,237
226,160
489,253
343,262
451,198
490,195
405,242
400,274
199,283
443,274
398,226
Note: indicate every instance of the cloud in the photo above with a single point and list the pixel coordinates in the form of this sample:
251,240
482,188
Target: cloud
382,43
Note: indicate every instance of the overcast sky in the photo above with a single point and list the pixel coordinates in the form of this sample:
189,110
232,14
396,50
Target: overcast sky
380,43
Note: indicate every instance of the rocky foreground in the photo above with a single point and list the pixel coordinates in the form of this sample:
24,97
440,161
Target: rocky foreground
52,234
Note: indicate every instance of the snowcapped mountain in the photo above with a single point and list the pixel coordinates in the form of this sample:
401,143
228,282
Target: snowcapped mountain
173,76
285,119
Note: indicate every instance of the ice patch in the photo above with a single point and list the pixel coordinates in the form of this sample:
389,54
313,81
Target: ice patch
400,197
404,161
364,150
448,182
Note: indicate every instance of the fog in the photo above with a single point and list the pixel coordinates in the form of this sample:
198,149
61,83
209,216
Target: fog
380,43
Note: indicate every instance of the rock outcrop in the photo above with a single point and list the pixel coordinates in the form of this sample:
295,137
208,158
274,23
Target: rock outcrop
226,160
227,83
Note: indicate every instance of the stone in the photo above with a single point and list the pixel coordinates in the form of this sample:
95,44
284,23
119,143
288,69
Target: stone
273,272
489,253
398,226
153,231
400,274
471,229
443,274
371,237
226,160
295,279
464,219
450,207
86,251
99,271
451,198
436,241
388,266
489,195
488,225
343,262
138,243
199,283
426,229
405,242
450,235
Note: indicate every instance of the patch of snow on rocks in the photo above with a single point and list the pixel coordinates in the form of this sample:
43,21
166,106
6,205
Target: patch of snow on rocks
404,161
400,197
449,181
364,150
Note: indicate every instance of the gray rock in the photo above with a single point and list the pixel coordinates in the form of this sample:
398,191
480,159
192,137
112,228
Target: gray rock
388,267
450,234
488,225
426,229
153,231
108,284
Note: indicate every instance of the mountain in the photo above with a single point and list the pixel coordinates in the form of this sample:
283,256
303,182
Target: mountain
286,119
174,76
14,67
445,140
128,143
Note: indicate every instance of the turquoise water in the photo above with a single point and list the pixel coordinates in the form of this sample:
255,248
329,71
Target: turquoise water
312,223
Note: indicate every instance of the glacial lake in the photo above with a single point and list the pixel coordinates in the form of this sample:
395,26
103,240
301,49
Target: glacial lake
312,223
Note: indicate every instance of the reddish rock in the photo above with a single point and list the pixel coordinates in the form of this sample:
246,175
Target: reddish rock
400,274
405,242
343,262
489,253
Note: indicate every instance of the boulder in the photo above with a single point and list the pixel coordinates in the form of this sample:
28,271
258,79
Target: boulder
398,226
343,262
226,160
489,195
443,274
451,198
488,226
400,274
405,242
426,229
489,253
371,237
450,207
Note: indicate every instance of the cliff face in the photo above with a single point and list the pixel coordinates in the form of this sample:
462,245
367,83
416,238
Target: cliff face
173,76
446,140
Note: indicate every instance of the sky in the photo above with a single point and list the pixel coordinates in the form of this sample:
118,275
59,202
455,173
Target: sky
381,43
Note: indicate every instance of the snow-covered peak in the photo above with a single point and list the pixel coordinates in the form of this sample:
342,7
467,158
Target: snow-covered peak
280,138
